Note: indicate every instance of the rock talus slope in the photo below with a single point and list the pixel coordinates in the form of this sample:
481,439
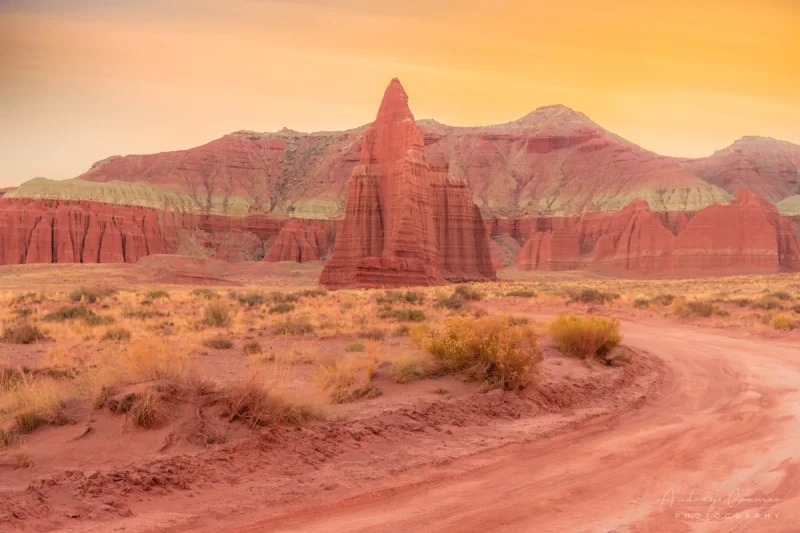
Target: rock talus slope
400,213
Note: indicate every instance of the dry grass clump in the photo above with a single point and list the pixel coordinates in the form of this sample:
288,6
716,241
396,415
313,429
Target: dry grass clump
782,323
252,348
251,299
157,294
663,299
87,316
293,326
252,403
150,360
355,347
365,392
90,294
585,336
116,334
402,315
374,334
149,411
410,297
217,315
281,308
218,343
412,368
35,401
22,332
521,293
781,295
641,303
591,296
488,348
696,308
768,303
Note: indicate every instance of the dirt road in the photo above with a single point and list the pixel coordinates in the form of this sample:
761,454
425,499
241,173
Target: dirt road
715,451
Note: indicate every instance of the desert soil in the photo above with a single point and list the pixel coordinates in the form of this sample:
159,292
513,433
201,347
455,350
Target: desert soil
698,434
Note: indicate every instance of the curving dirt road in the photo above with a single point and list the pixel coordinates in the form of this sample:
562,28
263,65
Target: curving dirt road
714,452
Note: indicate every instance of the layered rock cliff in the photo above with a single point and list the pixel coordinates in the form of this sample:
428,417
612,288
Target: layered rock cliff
404,220
747,235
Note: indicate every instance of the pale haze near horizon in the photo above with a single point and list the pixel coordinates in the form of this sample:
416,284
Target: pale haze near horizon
84,80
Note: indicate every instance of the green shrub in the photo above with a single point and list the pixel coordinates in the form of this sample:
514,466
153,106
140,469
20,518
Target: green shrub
490,349
282,308
403,315
218,343
89,294
217,315
118,334
522,293
21,333
355,347
78,313
585,336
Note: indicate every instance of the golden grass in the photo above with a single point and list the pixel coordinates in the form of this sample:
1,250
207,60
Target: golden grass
491,349
585,336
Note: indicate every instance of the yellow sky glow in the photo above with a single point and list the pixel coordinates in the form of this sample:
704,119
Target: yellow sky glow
81,83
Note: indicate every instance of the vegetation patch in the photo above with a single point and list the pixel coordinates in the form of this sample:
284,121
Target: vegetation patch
293,326
489,349
90,294
355,347
782,323
585,336
281,308
218,343
522,293
592,296
217,315
402,315
393,297
696,308
252,348
117,334
21,333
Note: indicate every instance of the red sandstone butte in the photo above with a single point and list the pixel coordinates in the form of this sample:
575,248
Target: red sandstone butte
747,235
405,223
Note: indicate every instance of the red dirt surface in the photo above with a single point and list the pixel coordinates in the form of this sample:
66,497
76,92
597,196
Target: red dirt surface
720,432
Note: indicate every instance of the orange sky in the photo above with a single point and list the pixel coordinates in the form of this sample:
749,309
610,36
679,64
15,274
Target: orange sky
84,79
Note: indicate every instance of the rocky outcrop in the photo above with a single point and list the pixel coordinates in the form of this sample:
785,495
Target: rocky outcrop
405,222
50,231
748,235
301,242
766,167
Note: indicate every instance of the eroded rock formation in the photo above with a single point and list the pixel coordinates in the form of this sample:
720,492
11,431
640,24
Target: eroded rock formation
405,222
747,235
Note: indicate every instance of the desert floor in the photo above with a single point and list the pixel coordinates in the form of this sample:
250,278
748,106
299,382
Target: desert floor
188,395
